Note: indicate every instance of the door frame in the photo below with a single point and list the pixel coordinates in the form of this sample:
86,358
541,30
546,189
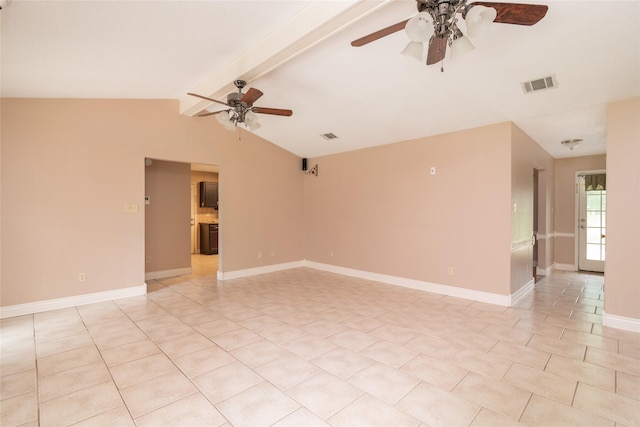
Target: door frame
577,213
194,219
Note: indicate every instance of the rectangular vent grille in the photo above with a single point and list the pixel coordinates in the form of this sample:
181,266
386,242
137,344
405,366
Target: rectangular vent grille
537,85
329,136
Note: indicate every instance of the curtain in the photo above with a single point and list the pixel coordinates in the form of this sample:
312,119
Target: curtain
595,182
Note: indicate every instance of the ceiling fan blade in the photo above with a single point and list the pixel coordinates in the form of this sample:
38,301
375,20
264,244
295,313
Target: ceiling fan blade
251,96
437,50
515,13
274,111
208,99
379,34
209,113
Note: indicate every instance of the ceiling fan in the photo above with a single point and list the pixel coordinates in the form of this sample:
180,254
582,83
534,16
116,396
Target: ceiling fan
241,109
435,25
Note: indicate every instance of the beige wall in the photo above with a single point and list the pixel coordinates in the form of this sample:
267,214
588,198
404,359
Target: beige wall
379,209
167,216
565,203
622,272
526,156
70,166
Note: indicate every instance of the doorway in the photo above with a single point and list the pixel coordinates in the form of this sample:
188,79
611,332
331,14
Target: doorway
202,215
173,215
591,220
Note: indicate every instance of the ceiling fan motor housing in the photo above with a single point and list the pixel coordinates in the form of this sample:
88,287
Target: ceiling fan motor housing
233,99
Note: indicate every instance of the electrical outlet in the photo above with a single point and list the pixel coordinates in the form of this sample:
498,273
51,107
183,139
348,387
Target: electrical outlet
331,254
433,170
82,277
273,253
131,208
259,255
147,259
450,271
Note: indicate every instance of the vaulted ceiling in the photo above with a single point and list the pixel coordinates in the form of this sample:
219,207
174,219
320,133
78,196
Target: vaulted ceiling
299,54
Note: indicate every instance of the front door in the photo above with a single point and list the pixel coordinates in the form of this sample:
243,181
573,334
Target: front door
592,195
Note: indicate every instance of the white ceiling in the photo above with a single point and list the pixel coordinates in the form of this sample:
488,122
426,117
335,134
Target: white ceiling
298,53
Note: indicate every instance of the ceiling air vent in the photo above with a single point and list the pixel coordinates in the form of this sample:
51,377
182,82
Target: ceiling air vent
329,136
537,85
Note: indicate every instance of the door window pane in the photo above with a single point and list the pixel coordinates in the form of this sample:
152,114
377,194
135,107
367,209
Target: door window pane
594,201
594,235
594,252
595,219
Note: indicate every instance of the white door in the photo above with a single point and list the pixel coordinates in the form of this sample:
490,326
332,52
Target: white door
591,222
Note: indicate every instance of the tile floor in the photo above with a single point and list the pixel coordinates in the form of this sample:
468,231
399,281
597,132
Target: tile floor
310,348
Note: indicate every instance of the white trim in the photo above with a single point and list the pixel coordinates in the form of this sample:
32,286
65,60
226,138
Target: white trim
545,236
67,302
565,267
470,294
435,288
522,292
559,234
162,274
621,322
544,271
521,244
228,275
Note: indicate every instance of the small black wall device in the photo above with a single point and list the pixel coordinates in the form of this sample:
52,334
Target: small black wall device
304,164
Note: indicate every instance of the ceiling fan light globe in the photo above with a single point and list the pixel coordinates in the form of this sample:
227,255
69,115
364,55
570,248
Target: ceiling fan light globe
478,19
226,120
461,46
420,27
251,119
414,50
222,117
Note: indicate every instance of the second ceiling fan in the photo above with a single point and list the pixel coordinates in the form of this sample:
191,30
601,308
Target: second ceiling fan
436,24
241,109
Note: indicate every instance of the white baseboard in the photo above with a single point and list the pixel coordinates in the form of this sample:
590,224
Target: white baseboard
544,271
621,322
58,303
163,274
228,275
470,294
522,292
565,267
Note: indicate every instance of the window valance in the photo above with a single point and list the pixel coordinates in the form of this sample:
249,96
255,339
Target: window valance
595,182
